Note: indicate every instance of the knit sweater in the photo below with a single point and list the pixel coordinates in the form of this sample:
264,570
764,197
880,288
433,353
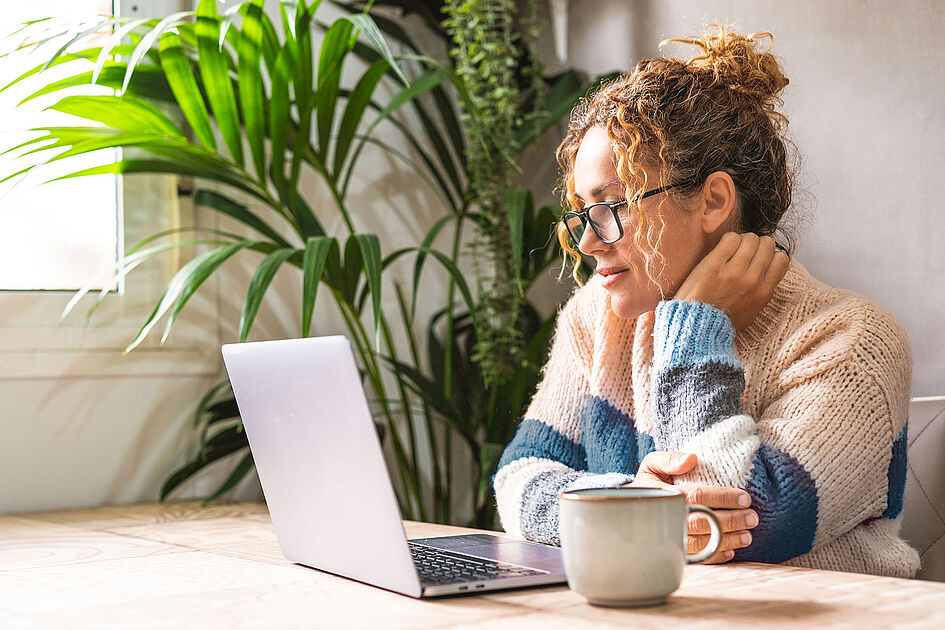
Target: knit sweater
805,410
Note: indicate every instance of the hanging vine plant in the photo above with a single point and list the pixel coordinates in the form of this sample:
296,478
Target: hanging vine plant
491,57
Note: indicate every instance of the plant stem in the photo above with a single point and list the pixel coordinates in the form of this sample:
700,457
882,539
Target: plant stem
409,418
438,512
363,345
448,359
378,385
341,205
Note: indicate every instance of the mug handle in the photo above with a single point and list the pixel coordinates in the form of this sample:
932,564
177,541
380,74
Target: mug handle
715,537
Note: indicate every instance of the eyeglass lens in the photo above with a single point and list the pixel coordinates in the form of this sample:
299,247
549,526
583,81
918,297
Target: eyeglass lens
602,218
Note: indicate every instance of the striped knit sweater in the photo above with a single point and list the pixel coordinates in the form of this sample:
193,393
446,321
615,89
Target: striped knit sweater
805,409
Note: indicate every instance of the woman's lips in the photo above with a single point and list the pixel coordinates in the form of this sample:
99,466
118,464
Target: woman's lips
610,275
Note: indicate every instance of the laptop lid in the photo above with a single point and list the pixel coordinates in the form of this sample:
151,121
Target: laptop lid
319,459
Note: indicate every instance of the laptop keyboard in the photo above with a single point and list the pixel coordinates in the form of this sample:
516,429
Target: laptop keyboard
437,566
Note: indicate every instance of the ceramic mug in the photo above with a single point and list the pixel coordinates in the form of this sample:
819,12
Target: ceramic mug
627,546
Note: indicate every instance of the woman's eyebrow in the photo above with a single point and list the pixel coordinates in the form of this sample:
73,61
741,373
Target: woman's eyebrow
596,192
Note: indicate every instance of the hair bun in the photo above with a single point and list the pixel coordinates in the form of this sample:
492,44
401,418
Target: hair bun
734,61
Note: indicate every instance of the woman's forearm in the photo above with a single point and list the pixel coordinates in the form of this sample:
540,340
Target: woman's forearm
812,462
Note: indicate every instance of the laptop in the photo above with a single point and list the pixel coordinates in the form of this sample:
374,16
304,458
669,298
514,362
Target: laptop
328,489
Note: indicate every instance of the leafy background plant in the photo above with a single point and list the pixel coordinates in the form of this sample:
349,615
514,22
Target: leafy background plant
265,105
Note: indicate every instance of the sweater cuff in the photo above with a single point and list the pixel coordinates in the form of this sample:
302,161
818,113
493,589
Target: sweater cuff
691,333
595,480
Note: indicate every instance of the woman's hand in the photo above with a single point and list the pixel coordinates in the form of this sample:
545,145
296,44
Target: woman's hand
738,276
729,504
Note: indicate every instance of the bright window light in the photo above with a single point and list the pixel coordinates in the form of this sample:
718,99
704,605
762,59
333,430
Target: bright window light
65,234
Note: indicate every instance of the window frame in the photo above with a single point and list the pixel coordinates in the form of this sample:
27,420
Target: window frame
36,342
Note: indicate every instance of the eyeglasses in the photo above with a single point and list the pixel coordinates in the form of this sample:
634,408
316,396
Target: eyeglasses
603,216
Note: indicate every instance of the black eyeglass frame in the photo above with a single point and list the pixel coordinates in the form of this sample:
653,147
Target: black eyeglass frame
584,215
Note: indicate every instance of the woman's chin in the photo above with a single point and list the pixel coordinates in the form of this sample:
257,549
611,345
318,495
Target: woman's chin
628,308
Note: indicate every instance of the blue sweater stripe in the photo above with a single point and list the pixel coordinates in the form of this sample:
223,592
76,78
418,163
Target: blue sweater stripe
784,495
896,476
535,438
691,333
611,441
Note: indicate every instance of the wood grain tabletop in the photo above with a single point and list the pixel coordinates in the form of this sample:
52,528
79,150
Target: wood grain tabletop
180,565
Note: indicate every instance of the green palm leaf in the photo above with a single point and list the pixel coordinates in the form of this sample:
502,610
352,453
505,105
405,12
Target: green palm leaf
144,46
216,78
334,48
422,256
79,55
368,27
313,266
198,274
426,82
77,34
219,446
358,100
241,470
127,114
262,278
134,257
179,163
279,118
370,246
181,79
191,275
250,84
223,204
450,267
110,45
153,85
304,81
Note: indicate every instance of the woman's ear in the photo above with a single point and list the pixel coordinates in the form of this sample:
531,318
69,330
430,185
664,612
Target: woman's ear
718,202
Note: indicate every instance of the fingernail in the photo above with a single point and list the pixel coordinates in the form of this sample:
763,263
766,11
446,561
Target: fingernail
744,500
752,519
729,554
746,539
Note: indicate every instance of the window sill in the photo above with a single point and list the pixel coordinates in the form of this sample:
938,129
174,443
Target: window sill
105,363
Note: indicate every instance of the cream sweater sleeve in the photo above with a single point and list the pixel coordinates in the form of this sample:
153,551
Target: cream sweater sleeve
547,454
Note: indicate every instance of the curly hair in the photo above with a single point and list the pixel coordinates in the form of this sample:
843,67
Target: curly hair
715,112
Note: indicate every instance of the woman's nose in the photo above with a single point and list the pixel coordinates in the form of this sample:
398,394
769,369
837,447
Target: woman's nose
590,242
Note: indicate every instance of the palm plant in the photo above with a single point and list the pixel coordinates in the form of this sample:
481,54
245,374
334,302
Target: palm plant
250,136
464,391
246,136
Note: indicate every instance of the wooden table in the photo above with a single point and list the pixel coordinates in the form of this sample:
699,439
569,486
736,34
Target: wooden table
179,565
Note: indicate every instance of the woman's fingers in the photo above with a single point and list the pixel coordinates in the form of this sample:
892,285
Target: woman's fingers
667,463
716,496
730,542
720,557
647,480
780,262
745,252
726,248
762,259
730,520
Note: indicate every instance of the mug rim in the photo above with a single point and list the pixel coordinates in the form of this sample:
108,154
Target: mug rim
574,495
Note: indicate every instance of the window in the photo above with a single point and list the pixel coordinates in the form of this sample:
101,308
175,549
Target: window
35,342
64,234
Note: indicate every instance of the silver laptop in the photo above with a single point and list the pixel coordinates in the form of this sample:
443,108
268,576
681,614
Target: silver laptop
327,487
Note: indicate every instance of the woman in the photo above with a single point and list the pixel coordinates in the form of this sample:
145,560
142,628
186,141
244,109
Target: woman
700,354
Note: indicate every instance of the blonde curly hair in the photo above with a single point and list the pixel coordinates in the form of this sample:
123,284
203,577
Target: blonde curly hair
715,112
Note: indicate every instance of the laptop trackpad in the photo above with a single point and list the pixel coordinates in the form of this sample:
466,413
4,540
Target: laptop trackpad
500,548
